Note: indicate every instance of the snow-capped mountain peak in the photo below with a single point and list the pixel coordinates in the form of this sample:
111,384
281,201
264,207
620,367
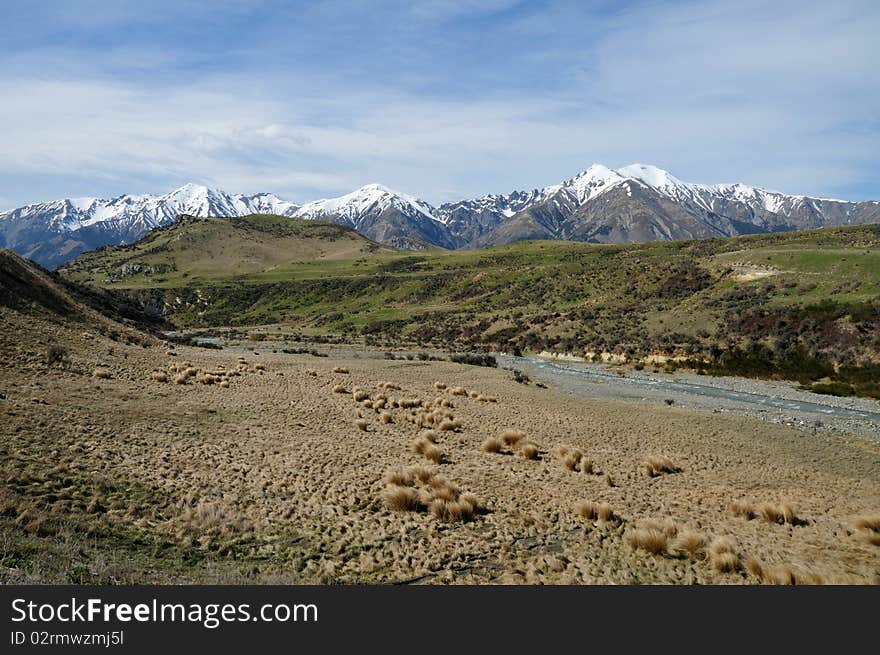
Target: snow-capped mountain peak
638,202
590,183
367,199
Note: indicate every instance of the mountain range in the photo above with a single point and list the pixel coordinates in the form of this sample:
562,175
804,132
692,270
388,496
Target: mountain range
635,203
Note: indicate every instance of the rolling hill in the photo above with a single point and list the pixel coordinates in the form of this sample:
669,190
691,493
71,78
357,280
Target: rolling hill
797,304
211,248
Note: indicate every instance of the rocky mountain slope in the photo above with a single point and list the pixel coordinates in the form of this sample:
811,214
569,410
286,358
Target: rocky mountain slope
632,204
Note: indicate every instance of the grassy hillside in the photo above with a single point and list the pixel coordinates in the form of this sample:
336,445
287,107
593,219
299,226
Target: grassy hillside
797,304
203,249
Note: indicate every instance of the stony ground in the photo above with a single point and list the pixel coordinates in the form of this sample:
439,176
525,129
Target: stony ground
273,468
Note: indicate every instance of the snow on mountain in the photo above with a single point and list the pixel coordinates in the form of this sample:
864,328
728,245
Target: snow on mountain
634,202
152,211
371,198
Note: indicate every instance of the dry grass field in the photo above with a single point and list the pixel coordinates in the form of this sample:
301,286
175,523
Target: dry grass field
147,463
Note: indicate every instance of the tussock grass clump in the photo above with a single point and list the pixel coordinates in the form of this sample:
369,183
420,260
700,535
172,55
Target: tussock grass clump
778,514
770,513
587,509
361,424
492,445
159,376
418,489
339,388
657,465
458,391
422,446
360,395
439,386
512,437
571,458
586,465
386,417
606,514
600,512
401,498
180,378
339,369
722,555
446,426
529,451
102,373
400,477
690,543
868,523
421,473
430,435
754,567
868,529
609,481
782,574
743,509
434,454
649,539
487,399
224,384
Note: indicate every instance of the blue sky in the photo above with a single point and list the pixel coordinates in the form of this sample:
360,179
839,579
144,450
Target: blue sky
442,99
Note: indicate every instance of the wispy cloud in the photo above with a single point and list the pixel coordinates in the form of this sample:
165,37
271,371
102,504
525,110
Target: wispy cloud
442,100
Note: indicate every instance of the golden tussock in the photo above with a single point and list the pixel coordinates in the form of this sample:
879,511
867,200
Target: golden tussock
492,445
648,539
868,523
657,464
743,509
529,451
571,458
690,543
159,376
102,373
722,555
779,514
401,498
361,424
339,369
512,437
339,389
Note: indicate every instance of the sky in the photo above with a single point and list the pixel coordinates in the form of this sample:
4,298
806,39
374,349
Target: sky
442,100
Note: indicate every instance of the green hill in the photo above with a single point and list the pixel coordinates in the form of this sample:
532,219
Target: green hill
218,248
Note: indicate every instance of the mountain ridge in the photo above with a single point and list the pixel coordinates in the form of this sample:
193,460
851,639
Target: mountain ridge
630,204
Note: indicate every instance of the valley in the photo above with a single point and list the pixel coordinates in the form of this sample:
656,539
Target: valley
326,431
810,315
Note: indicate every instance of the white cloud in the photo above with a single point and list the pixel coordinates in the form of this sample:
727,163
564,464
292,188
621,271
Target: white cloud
784,96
